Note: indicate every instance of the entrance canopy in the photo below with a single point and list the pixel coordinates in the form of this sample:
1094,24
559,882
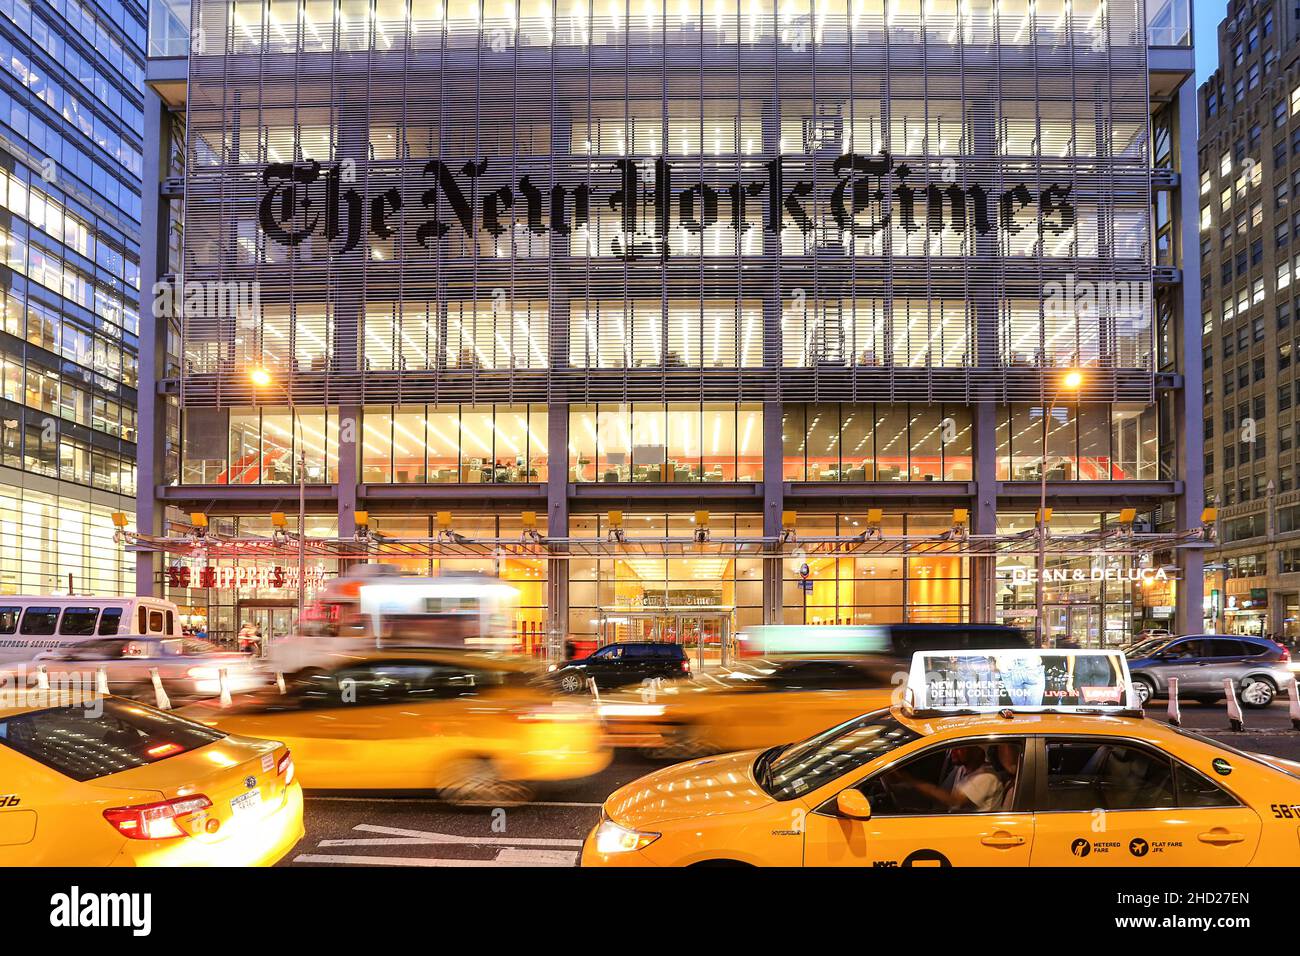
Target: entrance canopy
451,546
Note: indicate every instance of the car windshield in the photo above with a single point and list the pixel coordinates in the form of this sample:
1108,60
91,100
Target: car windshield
797,769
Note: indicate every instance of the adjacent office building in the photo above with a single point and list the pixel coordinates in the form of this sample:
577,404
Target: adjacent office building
71,158
787,262
1250,270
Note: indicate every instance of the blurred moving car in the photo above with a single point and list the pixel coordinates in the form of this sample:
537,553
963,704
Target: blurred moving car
469,725
797,698
375,606
899,641
188,668
1259,668
961,786
102,781
617,665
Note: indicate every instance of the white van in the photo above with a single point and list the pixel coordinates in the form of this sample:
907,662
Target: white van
31,627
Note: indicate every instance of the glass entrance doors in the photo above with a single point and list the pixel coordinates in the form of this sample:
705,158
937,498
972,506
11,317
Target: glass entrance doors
704,633
273,621
1077,624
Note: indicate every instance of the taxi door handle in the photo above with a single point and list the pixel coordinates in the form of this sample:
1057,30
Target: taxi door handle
1221,837
1002,840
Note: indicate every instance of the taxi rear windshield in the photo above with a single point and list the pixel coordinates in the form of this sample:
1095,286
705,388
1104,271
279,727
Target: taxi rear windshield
101,738
790,772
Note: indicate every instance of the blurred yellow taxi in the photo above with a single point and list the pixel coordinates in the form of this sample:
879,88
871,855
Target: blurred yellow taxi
1014,778
474,727
104,781
791,700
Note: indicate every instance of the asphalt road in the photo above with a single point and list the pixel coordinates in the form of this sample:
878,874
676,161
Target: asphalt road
369,829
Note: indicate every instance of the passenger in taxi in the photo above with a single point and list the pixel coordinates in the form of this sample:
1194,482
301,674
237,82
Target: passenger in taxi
1008,766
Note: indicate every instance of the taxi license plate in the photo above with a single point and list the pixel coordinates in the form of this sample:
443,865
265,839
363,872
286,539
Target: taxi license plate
246,802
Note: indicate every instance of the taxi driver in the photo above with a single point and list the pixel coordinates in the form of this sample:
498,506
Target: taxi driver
972,785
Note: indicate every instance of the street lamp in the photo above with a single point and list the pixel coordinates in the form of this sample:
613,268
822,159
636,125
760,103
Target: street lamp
261,378
1071,381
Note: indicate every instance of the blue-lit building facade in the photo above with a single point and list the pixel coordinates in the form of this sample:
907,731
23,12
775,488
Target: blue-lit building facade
71,158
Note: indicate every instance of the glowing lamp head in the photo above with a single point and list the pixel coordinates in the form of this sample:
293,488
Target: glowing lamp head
260,377
1072,380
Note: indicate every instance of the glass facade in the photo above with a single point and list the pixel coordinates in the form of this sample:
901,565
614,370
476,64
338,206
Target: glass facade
70,115
799,258
1094,607
1084,442
615,587
831,442
922,588
252,446
46,537
613,224
454,443
222,611
712,441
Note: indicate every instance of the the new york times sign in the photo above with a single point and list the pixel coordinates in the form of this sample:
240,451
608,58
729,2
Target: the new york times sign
869,194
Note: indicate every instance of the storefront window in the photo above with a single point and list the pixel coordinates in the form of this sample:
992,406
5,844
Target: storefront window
714,441
1093,604
881,589
651,597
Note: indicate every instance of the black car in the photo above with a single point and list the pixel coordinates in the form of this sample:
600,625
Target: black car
907,639
616,665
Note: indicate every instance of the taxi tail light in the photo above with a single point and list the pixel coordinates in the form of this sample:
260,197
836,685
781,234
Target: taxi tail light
1286,653
285,766
155,821
686,666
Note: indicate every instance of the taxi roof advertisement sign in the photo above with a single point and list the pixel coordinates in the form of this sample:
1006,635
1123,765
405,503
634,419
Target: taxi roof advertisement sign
1026,680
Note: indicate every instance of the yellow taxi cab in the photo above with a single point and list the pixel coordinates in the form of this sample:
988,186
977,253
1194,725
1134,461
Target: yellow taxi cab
987,761
473,726
105,781
793,699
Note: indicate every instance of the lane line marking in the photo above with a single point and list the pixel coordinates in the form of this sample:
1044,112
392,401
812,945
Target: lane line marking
429,836
509,856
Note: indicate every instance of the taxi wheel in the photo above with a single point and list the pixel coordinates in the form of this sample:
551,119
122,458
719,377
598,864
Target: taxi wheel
475,783
1257,692
1144,690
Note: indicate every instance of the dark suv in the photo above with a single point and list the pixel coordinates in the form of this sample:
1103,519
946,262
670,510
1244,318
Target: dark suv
1201,662
616,665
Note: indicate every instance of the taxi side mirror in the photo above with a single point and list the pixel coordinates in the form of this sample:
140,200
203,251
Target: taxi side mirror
852,804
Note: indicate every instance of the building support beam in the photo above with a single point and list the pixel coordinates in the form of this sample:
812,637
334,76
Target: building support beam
151,432
773,504
1189,400
984,511
557,526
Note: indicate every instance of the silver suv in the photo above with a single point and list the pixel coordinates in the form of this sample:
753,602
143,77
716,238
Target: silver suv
1260,669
